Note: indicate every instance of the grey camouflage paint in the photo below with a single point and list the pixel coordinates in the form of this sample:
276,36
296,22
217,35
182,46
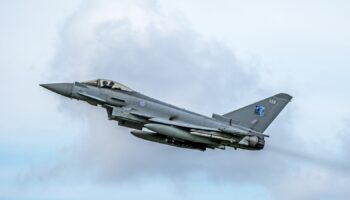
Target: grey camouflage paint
163,123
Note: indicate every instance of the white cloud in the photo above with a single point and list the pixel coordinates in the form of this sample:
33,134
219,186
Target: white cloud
158,53
175,64
139,45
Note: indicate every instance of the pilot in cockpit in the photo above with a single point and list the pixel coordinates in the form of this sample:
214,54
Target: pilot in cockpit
105,84
108,84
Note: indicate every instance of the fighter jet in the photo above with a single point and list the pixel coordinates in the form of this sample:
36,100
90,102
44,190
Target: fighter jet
156,121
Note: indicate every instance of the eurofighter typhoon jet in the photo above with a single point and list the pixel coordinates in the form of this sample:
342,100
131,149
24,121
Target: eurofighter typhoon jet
163,123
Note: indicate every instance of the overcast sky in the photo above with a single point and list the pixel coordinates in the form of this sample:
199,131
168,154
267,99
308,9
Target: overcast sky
206,56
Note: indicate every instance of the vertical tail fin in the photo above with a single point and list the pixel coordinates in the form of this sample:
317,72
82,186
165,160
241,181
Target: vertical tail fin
258,116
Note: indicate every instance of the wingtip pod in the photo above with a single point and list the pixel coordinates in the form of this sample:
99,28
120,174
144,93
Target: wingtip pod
284,96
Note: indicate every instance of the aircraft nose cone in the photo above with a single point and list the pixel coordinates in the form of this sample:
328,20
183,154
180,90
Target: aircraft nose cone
64,89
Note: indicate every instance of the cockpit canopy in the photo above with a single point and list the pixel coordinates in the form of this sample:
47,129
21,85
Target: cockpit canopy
104,83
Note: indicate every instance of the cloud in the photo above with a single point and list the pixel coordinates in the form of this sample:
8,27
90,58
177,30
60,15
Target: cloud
320,175
163,57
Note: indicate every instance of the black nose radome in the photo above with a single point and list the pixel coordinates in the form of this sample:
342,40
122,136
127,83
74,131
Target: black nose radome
64,89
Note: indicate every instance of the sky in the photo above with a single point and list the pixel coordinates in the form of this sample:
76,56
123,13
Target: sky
205,56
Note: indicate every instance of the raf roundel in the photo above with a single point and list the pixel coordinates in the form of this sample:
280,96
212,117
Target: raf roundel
142,103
